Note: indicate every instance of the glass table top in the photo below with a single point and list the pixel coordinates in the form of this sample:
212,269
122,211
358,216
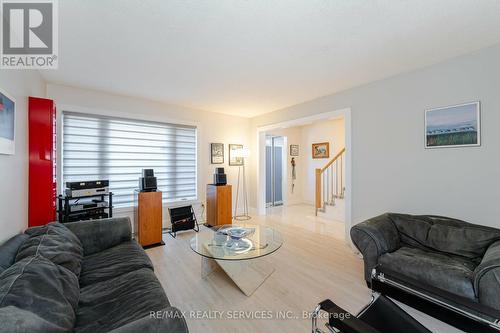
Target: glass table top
216,242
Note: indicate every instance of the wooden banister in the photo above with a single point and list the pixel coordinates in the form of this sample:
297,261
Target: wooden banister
319,174
318,190
333,160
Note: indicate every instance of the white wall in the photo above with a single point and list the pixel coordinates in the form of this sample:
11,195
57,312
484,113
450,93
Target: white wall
212,127
331,131
19,84
391,170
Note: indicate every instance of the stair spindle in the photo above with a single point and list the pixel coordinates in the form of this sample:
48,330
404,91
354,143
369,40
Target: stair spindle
330,182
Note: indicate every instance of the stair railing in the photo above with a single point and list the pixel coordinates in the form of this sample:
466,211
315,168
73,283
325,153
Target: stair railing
330,182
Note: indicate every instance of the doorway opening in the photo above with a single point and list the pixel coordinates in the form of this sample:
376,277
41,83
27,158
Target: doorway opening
274,170
316,172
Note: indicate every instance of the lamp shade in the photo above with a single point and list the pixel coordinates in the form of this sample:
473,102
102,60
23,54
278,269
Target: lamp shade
243,152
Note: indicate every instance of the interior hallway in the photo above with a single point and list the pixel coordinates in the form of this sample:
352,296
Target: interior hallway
302,216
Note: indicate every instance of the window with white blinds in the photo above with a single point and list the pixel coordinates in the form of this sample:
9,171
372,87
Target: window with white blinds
97,148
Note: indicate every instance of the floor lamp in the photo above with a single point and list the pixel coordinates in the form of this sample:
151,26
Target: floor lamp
241,153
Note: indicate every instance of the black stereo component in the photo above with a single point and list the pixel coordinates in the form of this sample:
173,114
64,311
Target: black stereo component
86,192
87,184
94,204
220,177
87,215
147,183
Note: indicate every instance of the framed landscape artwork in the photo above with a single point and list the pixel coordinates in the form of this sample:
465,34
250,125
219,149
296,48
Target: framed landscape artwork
294,150
235,160
453,126
321,150
217,153
7,124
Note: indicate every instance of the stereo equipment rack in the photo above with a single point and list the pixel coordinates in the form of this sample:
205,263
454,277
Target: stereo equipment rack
67,212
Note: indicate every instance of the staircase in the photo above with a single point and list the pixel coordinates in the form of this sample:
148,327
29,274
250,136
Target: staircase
330,183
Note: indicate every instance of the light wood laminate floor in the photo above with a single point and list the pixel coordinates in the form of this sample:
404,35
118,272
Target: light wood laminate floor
314,263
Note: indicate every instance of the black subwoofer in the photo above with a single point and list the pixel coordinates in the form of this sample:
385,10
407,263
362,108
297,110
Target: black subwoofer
220,177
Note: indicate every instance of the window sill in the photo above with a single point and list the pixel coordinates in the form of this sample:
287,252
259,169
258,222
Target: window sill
173,204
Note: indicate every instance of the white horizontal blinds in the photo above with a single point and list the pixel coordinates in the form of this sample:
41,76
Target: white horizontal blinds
97,148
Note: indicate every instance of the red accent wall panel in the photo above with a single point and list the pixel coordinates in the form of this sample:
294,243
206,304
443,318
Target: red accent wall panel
42,161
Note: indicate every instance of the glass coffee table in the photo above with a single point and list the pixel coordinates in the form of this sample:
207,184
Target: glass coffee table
237,254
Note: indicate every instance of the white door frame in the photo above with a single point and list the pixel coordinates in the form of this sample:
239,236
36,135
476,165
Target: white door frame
284,170
261,158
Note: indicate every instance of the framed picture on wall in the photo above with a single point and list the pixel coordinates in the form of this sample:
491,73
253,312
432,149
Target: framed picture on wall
235,160
321,150
216,153
453,126
7,123
294,150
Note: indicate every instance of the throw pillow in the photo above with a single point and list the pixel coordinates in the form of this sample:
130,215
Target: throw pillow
37,285
55,242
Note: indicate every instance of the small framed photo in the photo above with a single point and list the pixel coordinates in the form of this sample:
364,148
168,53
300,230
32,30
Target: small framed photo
453,126
217,153
321,150
7,124
234,159
294,150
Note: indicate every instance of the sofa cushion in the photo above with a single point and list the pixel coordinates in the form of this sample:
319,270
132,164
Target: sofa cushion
55,242
113,262
113,303
37,285
8,250
450,273
445,235
99,235
15,320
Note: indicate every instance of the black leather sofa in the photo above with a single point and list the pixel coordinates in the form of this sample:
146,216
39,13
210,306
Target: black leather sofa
448,262
82,277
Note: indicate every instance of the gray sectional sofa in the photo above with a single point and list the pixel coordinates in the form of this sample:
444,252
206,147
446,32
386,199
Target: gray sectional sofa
82,277
455,261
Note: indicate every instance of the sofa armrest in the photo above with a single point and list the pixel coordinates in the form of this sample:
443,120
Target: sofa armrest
169,320
373,238
99,235
340,319
487,277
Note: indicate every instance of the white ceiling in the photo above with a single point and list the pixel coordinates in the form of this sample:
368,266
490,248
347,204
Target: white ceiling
248,57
